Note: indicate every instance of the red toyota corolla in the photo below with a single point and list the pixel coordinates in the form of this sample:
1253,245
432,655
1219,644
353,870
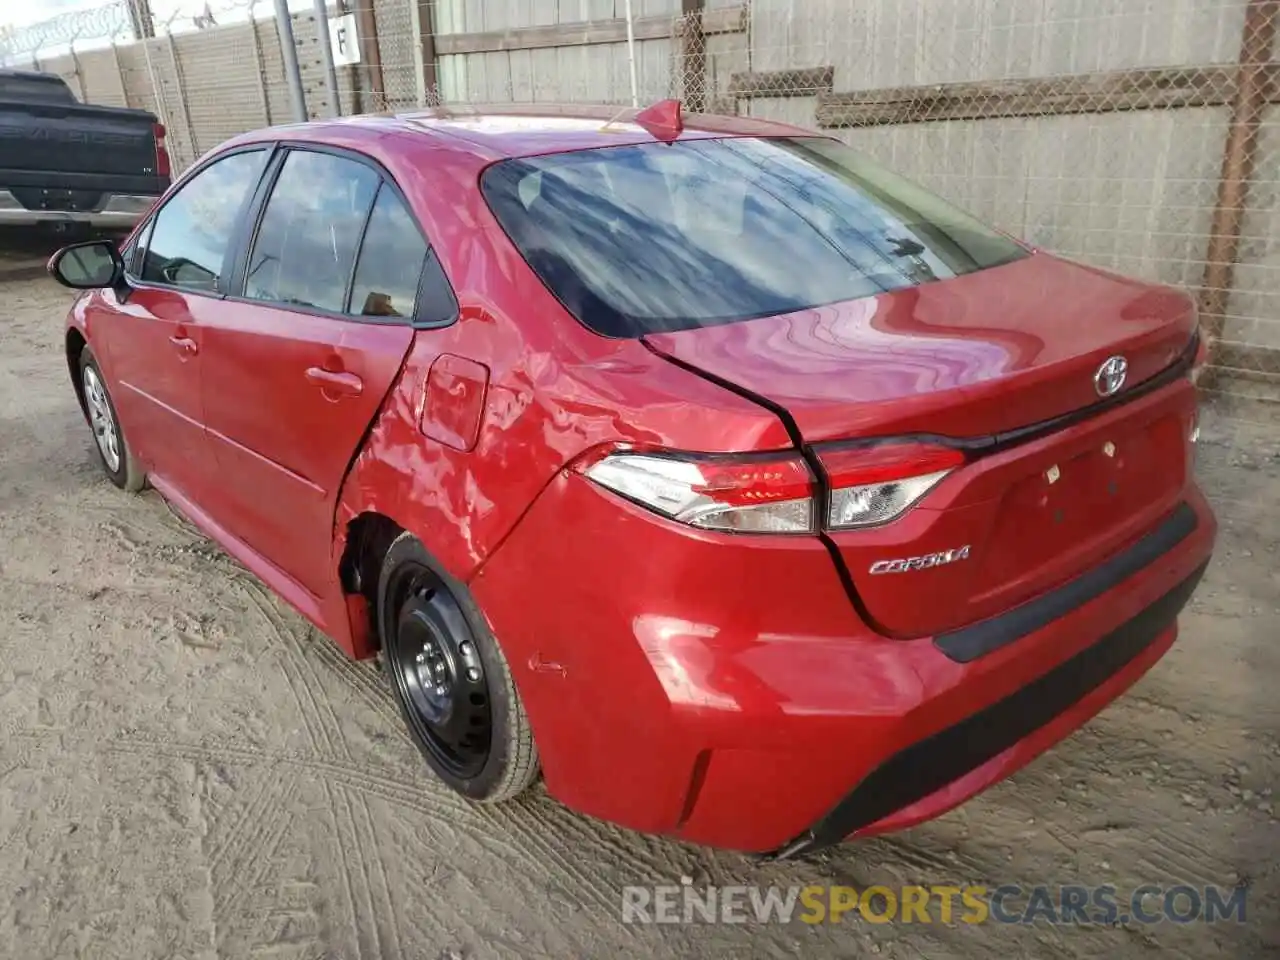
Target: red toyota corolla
751,494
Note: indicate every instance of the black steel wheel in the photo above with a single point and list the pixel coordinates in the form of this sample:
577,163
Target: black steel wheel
453,685
438,674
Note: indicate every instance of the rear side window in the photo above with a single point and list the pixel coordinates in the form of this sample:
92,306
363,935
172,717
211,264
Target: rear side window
306,243
391,258
657,237
191,234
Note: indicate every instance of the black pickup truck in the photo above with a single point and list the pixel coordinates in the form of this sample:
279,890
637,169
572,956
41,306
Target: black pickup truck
72,164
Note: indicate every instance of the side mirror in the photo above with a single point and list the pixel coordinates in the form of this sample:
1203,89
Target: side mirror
87,266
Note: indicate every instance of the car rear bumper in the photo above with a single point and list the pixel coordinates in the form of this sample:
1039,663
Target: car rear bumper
721,689
926,768
117,211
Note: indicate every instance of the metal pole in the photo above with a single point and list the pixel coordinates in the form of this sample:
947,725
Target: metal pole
419,63
75,66
182,93
289,52
156,91
141,19
424,52
124,87
427,50
258,65
326,57
631,56
695,85
1238,163
371,53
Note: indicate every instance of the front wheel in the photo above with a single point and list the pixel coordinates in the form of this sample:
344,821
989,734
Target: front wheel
452,682
117,459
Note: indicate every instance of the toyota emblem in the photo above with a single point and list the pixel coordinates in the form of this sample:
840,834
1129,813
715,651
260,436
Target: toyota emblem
1110,376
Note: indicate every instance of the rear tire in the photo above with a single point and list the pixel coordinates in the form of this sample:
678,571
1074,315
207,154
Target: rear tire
450,678
117,459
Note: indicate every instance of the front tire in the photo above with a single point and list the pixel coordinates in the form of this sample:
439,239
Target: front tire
450,678
117,459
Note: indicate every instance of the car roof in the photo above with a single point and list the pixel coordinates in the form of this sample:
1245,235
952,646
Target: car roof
499,132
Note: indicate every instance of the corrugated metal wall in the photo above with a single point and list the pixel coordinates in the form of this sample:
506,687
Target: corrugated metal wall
594,72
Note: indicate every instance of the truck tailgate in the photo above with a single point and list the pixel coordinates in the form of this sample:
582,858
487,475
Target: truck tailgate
55,138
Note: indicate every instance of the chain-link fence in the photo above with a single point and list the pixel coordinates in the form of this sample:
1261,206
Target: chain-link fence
1138,135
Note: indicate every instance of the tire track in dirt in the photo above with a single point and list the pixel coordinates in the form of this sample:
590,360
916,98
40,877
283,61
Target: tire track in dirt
319,657
303,694
505,832
353,801
913,860
357,905
1167,854
326,736
391,783
357,861
305,681
250,814
207,902
306,717
311,647
364,679
522,829
276,825
373,846
493,828
272,816
297,645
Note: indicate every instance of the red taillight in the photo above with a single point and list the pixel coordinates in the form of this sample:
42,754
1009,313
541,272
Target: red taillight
887,461
876,484
775,493
751,482
744,495
163,168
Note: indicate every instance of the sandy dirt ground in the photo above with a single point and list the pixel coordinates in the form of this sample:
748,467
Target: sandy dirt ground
188,770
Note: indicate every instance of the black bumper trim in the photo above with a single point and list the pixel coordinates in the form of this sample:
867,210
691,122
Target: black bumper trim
929,765
969,643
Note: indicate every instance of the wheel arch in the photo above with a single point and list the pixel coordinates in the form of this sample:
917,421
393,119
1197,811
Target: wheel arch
75,346
363,541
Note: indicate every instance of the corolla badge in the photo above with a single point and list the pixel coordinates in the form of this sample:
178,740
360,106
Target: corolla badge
907,564
1110,376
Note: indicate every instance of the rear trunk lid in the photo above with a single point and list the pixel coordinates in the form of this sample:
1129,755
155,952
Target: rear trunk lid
977,359
979,354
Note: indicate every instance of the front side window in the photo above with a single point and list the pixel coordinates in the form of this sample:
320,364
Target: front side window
306,243
658,237
192,232
391,258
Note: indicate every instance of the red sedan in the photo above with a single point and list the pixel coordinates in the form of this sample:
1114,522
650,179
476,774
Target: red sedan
746,491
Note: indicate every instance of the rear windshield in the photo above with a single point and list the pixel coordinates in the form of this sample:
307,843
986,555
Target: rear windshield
660,237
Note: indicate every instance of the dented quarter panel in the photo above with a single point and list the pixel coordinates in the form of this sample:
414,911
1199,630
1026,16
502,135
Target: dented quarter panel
554,391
